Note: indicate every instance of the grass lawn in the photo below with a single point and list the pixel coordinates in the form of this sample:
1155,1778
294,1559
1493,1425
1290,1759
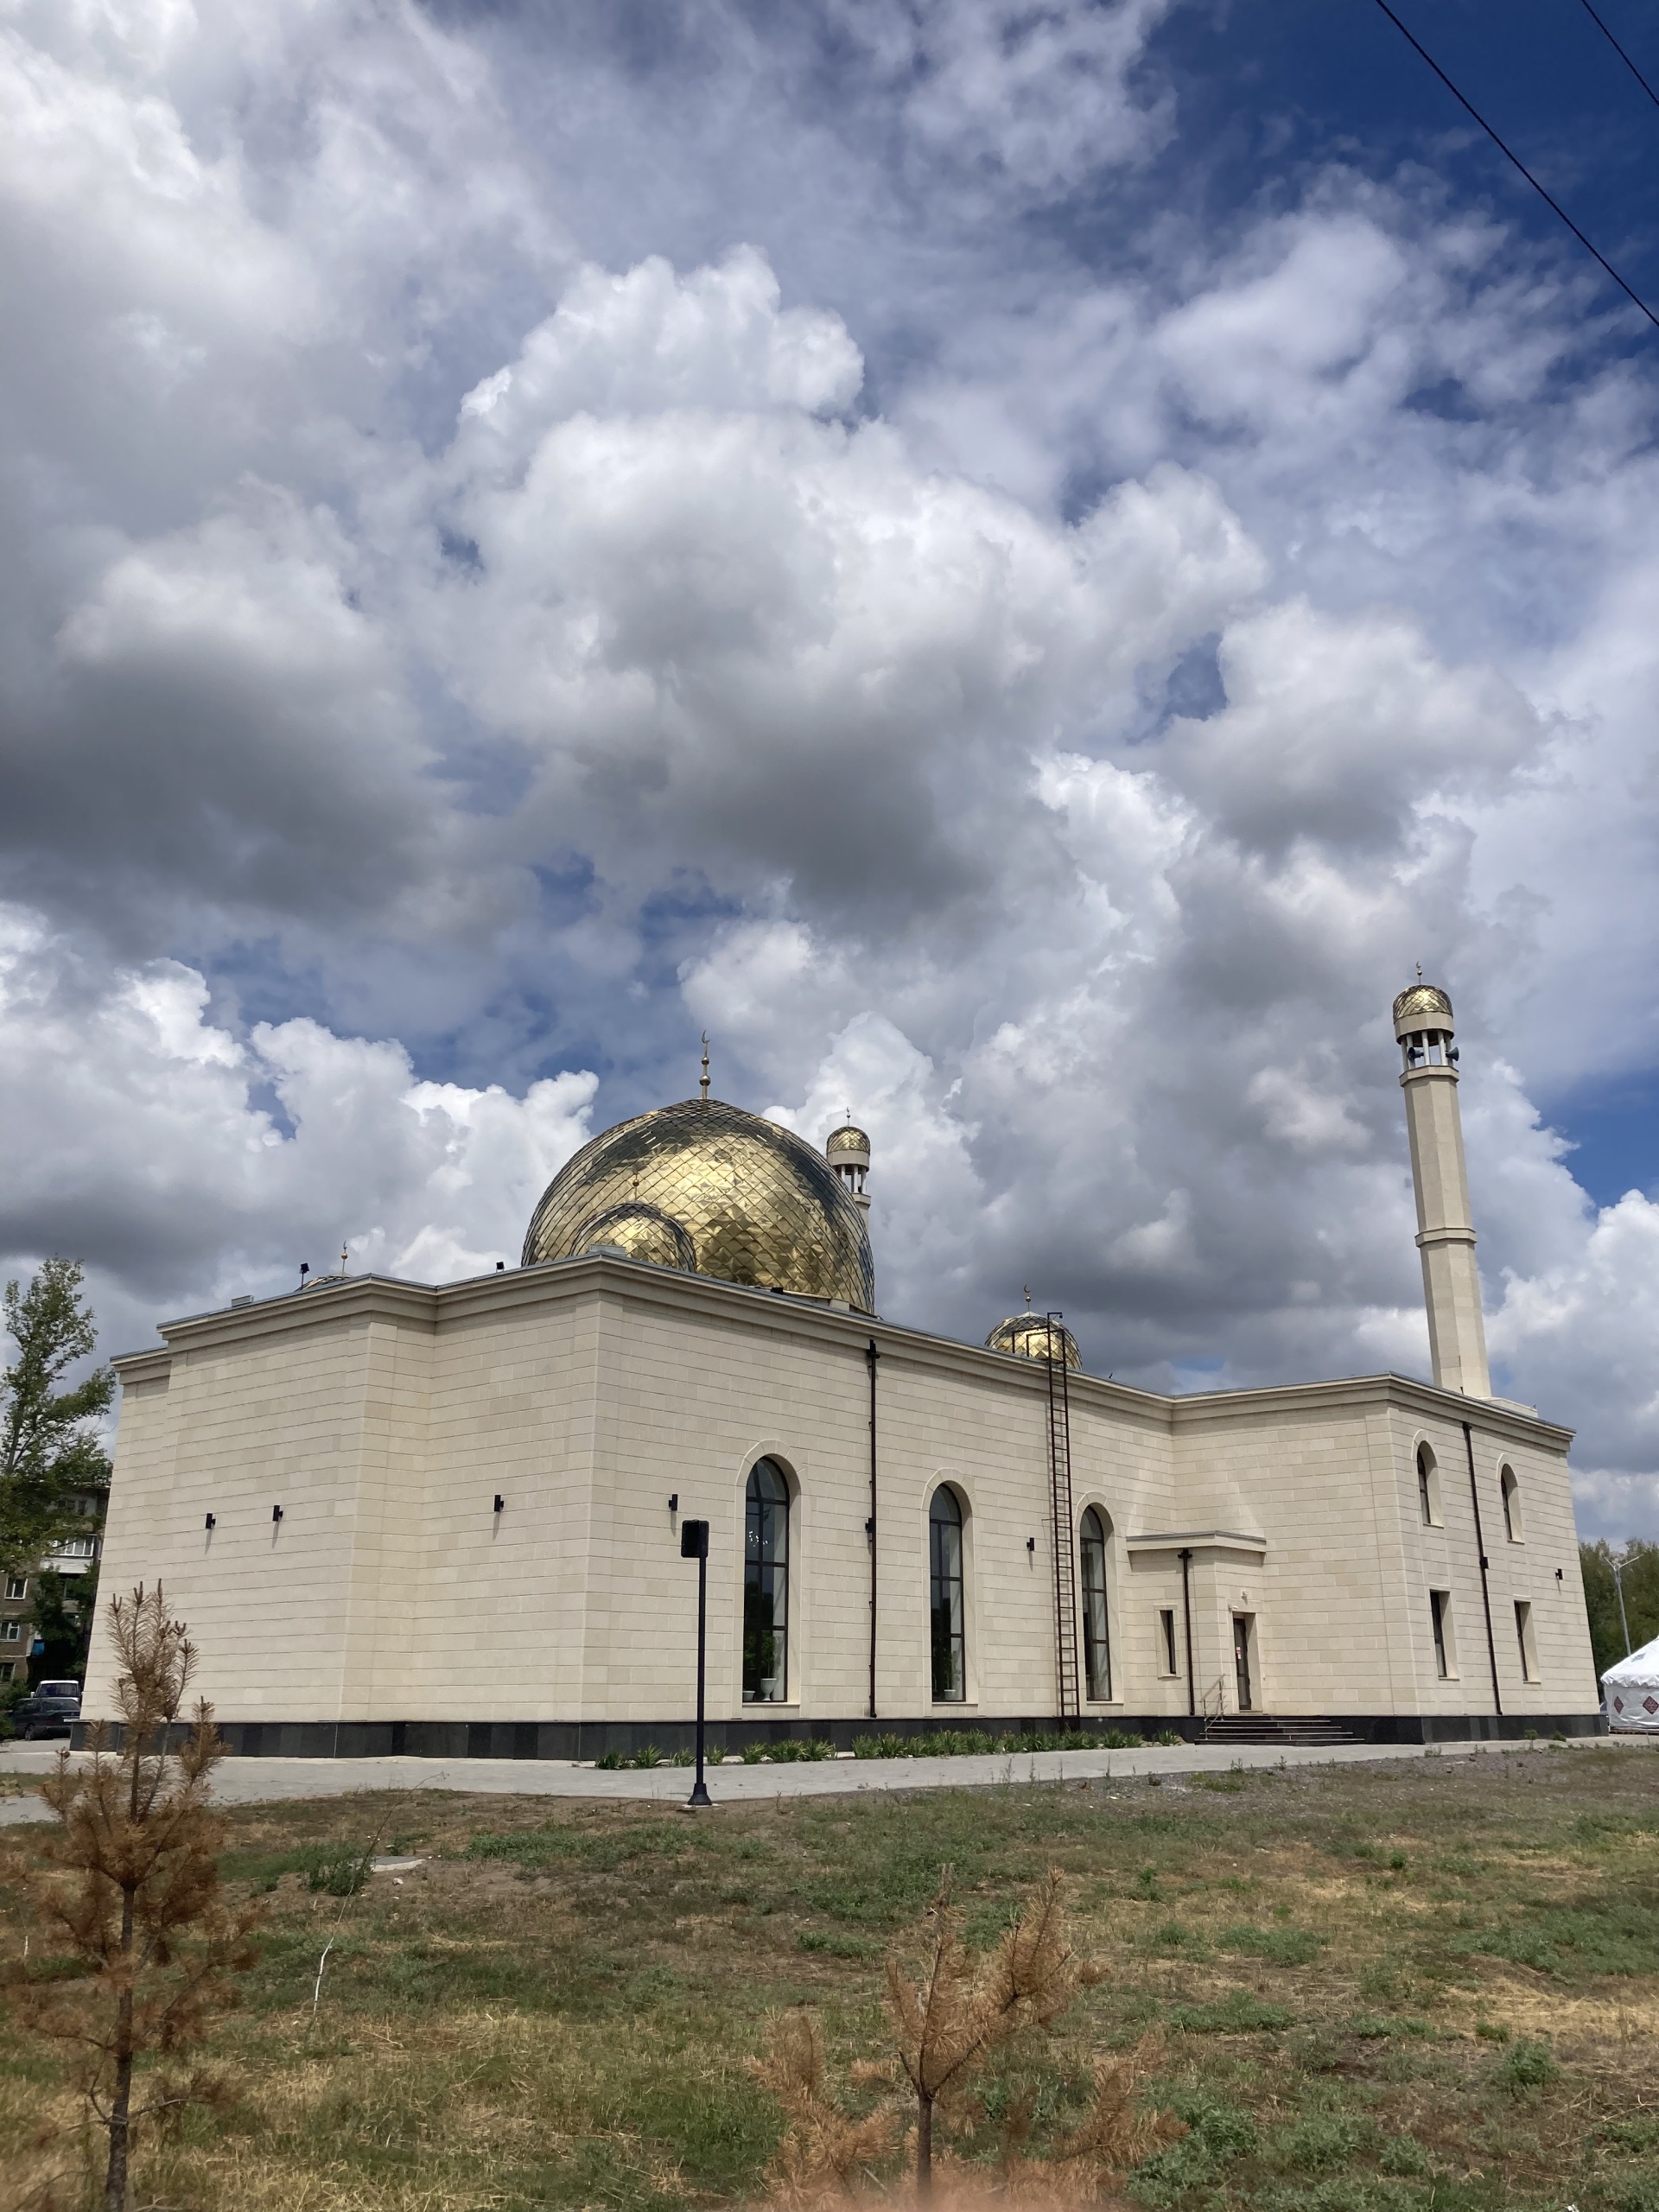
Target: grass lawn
1429,1985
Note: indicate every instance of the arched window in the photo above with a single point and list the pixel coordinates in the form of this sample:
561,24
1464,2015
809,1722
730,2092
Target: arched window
948,1638
766,1587
1511,1490
1428,1487
1097,1626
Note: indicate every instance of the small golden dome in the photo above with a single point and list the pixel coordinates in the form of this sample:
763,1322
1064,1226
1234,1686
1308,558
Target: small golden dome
1027,1335
706,1187
1427,1004
848,1138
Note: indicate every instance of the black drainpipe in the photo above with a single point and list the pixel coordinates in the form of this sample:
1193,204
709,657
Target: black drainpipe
1486,1593
871,1356
1186,1558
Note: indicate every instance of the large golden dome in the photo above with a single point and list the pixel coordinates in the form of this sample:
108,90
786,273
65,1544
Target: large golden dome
706,1187
1027,1335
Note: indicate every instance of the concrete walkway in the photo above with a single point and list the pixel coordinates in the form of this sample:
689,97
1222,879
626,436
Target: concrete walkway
258,1781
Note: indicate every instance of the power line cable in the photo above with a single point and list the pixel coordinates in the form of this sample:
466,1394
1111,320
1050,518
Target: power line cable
1620,51
1628,291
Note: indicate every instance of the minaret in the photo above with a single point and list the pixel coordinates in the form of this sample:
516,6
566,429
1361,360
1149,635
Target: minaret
1446,1236
847,1150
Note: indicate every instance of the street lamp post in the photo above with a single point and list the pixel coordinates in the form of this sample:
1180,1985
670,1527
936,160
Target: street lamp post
694,1544
1623,1619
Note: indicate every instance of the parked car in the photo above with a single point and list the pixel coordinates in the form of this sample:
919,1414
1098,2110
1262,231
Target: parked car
47,1711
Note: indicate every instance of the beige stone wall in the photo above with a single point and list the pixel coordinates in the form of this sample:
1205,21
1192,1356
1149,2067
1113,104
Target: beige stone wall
385,1418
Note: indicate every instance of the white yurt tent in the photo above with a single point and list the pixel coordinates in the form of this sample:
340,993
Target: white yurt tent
1632,1690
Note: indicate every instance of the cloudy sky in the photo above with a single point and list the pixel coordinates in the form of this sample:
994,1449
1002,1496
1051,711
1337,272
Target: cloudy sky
1019,564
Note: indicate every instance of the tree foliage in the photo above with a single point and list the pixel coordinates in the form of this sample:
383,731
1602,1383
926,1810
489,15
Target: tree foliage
50,1449
129,1888
948,2014
948,2017
1639,1572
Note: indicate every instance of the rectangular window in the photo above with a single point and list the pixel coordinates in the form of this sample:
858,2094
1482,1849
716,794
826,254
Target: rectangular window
77,1548
11,1631
1166,1631
8,1670
1445,1653
1524,1637
17,1586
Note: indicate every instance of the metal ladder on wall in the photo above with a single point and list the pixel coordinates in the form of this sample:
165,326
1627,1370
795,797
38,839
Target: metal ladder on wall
1066,1564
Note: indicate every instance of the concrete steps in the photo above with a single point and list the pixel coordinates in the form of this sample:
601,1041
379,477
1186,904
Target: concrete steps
1259,1728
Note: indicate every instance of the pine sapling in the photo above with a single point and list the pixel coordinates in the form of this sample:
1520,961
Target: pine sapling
131,1889
948,2019
822,2149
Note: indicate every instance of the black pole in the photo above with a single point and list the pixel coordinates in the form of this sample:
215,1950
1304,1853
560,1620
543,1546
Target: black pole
1480,1547
1186,1558
694,1544
872,1355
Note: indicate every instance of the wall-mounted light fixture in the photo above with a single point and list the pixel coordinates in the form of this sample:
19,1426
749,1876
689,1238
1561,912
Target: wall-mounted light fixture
500,1267
1031,1543
276,1512
500,1503
674,1501
208,1522
1559,1573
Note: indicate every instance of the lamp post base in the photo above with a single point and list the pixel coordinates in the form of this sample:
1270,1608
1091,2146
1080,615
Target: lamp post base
699,1798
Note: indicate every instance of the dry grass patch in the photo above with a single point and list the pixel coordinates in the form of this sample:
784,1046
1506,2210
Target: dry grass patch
560,2008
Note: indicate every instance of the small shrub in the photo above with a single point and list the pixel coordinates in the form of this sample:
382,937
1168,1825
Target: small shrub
1146,1885
681,1758
1491,2031
342,1874
1525,2070
1221,2129
1322,2139
1123,1740
1169,1737
647,1756
1403,2155
880,1747
610,1760
756,1754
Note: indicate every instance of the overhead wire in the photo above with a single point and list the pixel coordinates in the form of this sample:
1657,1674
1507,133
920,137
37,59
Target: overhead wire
1509,154
1620,51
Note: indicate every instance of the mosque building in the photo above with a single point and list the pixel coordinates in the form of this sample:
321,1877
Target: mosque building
446,1520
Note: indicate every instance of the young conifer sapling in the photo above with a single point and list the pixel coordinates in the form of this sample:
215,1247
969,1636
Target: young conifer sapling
130,1887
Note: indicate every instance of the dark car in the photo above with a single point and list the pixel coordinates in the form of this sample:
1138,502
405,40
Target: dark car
48,1710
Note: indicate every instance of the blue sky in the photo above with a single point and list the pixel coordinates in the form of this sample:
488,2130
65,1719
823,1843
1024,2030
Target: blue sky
1019,565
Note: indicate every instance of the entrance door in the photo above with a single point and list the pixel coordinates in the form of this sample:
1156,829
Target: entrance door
1242,1661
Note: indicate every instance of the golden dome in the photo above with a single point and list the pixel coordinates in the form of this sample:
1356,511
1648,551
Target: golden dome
1027,1335
848,1138
708,1188
1425,1000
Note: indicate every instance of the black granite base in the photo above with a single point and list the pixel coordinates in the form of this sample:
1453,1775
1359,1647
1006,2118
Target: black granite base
587,1739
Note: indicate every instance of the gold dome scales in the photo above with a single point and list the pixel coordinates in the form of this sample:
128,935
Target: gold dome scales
707,1188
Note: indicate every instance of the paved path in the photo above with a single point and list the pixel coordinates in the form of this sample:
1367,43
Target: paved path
250,1781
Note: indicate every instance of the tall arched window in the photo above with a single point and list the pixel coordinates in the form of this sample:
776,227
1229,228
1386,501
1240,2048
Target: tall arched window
766,1587
1511,1490
1428,1487
1097,1626
948,1637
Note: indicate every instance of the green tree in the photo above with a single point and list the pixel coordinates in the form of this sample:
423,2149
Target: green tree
50,1449
1639,1572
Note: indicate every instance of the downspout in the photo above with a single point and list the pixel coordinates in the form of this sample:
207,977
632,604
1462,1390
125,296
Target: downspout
1485,1592
1186,1558
871,1356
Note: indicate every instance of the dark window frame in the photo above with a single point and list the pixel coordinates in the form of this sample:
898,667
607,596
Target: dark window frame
1096,1609
947,1597
766,1506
